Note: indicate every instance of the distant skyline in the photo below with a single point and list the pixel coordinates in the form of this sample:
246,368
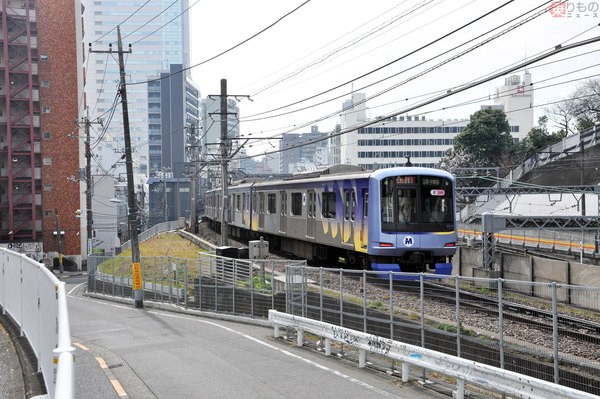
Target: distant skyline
325,44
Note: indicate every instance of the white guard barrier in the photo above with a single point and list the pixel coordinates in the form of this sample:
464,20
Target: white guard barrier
36,301
492,378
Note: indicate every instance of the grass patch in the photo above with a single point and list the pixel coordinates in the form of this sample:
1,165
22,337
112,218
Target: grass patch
153,255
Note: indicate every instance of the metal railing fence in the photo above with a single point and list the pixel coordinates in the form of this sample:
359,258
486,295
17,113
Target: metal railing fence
209,283
548,331
36,302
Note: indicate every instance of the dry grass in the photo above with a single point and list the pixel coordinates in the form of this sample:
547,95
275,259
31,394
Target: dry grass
167,244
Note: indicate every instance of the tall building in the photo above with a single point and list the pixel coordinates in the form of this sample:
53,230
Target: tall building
173,128
39,145
302,151
516,99
158,32
173,109
388,142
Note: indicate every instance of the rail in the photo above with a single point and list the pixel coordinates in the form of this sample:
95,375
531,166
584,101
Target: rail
36,302
463,370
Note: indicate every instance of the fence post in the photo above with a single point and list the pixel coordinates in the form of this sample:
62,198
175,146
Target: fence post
364,295
555,334
185,284
321,294
500,323
458,324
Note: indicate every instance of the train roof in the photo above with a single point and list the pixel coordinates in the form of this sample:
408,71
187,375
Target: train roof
335,172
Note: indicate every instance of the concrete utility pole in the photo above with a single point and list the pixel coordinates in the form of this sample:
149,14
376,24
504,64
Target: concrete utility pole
136,267
225,158
224,162
193,186
89,189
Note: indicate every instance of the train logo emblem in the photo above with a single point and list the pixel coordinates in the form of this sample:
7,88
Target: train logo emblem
408,241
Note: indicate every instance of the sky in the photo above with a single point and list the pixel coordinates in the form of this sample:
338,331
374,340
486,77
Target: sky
299,60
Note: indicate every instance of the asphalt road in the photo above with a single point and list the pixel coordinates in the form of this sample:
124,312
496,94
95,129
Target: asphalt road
122,351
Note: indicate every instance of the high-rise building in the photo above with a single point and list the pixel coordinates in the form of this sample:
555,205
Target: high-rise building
302,151
158,32
39,145
173,119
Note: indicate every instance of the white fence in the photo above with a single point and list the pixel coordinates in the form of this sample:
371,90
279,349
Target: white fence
36,301
463,370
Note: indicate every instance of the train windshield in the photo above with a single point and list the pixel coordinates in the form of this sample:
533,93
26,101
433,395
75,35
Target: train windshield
417,203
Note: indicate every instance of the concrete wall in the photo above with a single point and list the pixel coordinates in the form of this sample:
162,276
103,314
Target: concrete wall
577,284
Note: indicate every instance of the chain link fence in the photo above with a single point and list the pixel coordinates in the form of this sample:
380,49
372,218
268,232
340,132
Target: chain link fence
546,330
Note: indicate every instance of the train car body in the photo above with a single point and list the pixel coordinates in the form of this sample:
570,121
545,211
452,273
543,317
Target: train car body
396,219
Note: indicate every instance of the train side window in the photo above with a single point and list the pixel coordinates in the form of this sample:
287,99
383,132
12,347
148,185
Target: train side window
328,210
366,205
297,204
271,203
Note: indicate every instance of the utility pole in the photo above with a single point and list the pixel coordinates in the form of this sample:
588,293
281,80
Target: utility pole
224,162
88,183
136,267
225,158
193,177
582,172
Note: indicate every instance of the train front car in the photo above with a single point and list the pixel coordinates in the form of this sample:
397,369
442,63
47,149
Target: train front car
412,227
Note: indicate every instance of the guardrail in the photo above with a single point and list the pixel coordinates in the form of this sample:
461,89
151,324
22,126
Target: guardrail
36,302
492,378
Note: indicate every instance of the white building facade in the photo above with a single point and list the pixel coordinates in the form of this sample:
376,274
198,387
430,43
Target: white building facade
393,141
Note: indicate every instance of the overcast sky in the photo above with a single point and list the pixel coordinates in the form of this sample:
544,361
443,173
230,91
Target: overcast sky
329,43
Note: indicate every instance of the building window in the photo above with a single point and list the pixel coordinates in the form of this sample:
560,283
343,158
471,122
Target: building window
48,214
47,187
297,204
45,83
47,161
43,57
46,109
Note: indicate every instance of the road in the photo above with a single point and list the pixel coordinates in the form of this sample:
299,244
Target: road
147,353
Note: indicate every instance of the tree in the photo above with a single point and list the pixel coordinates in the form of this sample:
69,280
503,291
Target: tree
580,111
539,137
486,140
484,143
587,103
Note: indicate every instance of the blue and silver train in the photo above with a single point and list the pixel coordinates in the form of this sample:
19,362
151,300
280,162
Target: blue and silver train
397,219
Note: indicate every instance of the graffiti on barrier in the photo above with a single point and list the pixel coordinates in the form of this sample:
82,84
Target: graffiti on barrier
380,345
344,335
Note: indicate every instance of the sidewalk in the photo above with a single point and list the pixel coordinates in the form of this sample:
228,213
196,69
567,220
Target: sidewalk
11,383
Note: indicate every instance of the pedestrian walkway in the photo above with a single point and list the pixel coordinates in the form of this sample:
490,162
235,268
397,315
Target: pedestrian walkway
12,385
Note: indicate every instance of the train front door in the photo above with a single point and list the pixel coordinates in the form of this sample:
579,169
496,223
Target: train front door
311,210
